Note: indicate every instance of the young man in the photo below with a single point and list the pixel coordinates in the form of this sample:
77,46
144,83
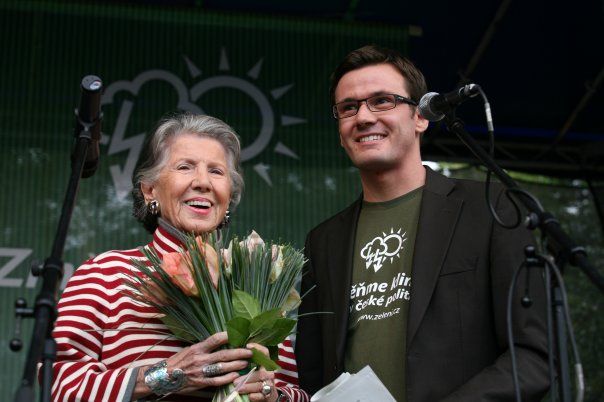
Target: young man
416,272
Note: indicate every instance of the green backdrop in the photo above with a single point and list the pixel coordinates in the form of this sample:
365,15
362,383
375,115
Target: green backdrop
267,77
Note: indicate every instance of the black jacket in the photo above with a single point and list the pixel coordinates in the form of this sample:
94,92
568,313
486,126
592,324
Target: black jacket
456,332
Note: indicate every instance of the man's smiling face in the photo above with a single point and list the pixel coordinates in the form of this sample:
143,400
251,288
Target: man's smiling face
378,141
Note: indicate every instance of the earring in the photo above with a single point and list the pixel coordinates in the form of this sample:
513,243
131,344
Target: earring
153,207
225,220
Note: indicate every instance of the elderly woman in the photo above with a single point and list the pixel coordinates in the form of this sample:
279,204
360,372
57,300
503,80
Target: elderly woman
111,347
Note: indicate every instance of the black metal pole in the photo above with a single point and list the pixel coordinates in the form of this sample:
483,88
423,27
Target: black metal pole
84,161
562,345
562,247
559,241
52,273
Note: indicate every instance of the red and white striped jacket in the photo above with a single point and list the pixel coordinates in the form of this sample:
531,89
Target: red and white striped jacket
102,334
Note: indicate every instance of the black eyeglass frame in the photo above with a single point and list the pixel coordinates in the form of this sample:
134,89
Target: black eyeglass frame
397,99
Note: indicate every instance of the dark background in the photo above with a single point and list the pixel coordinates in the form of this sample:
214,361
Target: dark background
540,63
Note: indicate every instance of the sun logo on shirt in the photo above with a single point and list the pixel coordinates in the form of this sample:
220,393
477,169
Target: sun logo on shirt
382,248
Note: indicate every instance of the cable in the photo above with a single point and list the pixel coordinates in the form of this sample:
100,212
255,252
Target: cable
494,213
527,194
491,136
579,379
550,333
511,333
549,267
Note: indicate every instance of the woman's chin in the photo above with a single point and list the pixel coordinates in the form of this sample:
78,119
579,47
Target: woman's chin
198,227
193,223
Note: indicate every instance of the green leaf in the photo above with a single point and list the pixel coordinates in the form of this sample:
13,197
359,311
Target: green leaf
262,360
275,334
264,321
244,305
238,329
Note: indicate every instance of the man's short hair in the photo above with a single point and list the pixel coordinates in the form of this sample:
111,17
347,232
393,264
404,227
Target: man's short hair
370,55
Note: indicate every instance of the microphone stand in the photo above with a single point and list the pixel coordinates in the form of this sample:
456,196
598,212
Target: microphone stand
560,244
42,344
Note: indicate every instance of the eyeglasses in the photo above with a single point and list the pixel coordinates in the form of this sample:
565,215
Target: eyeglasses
377,103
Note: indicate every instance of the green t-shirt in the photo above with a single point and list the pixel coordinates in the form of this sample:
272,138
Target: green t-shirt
381,289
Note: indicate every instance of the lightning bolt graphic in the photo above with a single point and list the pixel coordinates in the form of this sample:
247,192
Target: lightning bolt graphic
122,177
374,258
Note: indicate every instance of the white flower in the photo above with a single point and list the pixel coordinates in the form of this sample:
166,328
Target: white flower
252,241
227,258
277,262
292,302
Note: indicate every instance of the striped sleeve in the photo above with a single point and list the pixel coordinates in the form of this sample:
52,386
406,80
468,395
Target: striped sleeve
79,374
286,378
102,334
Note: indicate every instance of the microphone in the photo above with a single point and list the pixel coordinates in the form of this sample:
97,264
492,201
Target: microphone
433,106
88,118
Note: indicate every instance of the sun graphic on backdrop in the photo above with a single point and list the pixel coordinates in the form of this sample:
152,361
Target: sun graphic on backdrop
268,120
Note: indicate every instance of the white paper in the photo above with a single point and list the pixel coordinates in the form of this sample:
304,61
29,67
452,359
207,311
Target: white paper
363,386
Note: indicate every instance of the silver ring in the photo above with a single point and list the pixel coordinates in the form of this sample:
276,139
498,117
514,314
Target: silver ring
266,389
212,370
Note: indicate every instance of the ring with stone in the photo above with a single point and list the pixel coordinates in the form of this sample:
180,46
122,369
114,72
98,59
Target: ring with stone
212,370
266,389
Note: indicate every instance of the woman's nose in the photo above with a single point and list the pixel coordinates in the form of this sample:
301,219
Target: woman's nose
201,180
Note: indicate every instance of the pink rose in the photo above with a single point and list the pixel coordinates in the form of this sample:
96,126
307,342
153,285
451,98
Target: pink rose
177,268
211,258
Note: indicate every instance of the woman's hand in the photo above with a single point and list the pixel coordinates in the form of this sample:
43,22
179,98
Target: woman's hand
193,359
259,379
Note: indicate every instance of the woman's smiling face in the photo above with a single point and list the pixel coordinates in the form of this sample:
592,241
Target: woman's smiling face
194,187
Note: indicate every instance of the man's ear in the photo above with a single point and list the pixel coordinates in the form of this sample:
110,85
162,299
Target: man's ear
421,124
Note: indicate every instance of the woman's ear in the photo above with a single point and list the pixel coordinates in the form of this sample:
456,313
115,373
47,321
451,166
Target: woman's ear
148,191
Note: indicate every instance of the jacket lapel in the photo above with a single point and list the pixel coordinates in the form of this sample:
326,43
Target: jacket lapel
340,273
438,217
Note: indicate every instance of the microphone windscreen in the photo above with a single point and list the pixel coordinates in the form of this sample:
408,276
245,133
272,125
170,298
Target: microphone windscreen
425,108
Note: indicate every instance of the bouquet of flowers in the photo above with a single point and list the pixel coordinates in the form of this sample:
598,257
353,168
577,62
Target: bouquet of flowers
246,289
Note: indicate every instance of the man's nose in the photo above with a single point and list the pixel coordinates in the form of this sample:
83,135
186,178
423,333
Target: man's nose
364,115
